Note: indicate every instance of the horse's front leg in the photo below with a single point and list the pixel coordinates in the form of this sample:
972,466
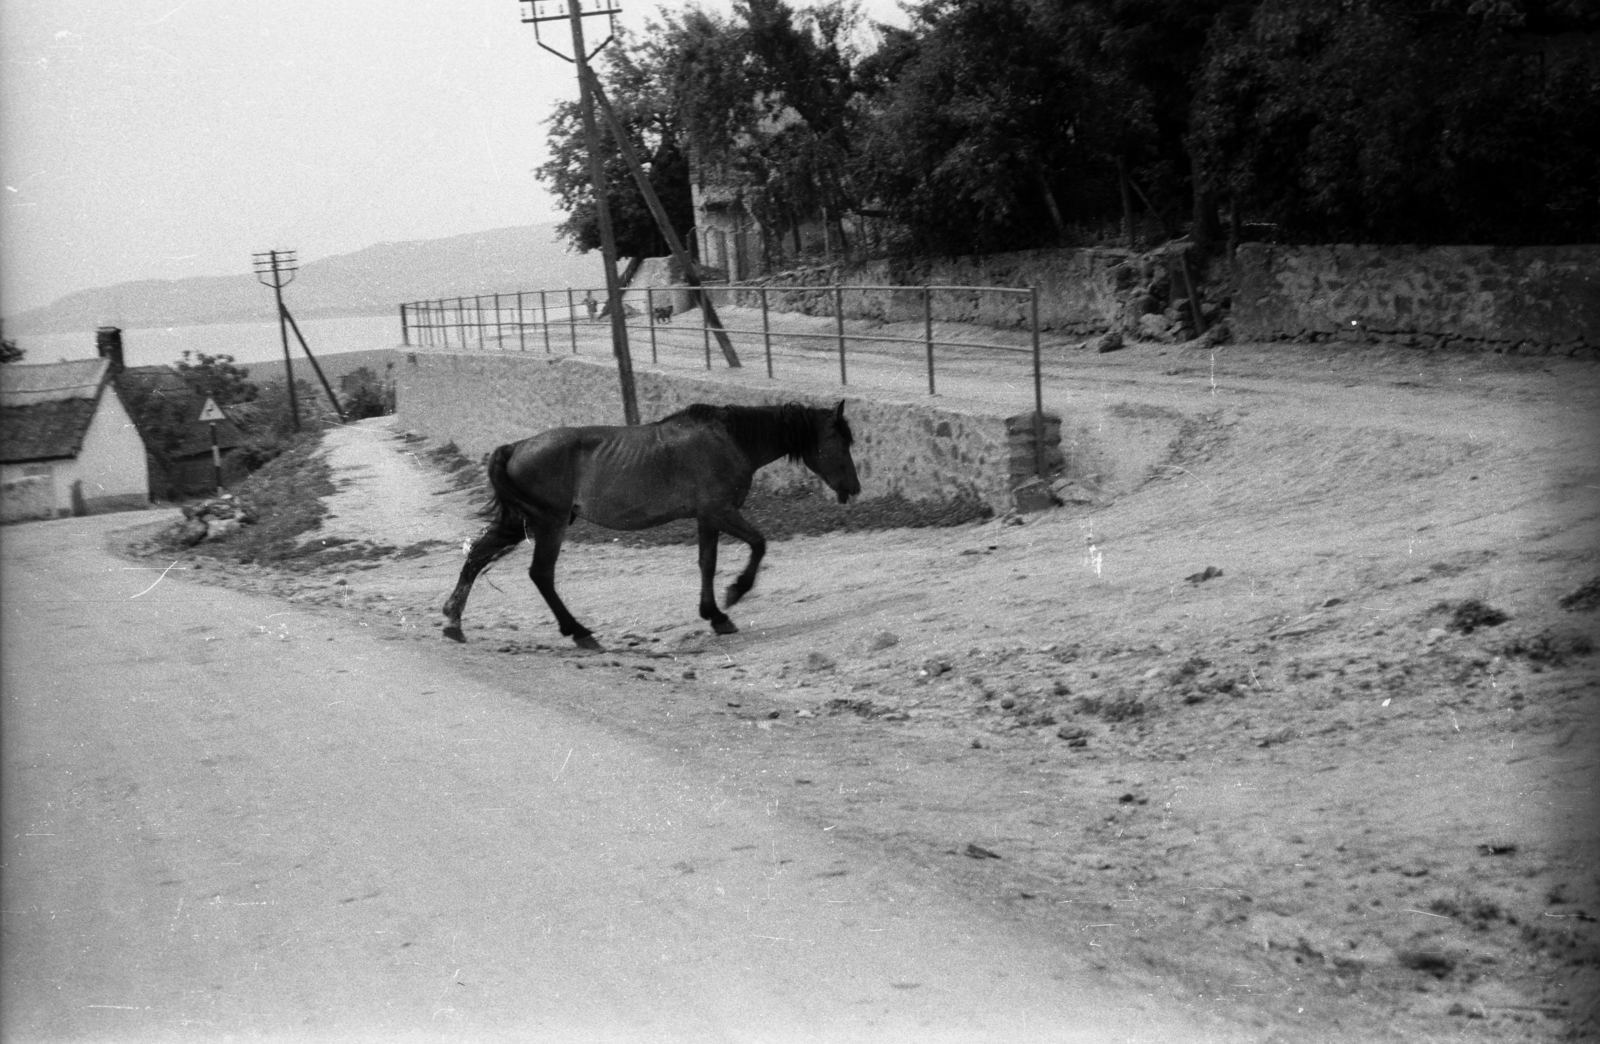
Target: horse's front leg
708,574
733,523
493,543
546,549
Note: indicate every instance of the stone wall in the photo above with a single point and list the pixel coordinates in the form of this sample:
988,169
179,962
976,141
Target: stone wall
1531,299
1078,289
921,452
1534,299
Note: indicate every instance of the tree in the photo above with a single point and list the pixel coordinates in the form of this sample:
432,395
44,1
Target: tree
762,101
986,137
629,73
1409,121
217,377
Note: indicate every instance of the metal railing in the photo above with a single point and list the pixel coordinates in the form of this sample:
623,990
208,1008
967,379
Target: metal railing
550,321
544,319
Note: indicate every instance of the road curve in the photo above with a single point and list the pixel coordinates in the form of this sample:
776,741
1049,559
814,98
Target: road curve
225,818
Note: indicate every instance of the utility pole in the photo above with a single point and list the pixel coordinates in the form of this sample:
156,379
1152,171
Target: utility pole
272,268
274,265
572,11
691,273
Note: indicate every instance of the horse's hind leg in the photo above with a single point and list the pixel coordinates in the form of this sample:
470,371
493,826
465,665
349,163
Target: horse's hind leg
493,543
546,548
734,523
708,574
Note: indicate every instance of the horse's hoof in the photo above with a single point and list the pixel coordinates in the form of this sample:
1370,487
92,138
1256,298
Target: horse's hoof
586,641
724,626
454,634
731,597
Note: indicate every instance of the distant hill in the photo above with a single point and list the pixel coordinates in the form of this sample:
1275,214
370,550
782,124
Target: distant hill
372,281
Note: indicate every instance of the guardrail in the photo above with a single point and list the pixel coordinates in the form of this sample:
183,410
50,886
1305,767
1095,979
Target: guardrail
540,319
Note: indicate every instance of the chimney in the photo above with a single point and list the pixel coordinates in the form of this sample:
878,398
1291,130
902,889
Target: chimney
108,342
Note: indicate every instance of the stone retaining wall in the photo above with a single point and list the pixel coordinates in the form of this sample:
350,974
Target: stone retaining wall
921,452
1530,299
1078,289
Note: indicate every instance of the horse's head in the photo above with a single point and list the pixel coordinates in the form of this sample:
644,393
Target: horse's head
831,458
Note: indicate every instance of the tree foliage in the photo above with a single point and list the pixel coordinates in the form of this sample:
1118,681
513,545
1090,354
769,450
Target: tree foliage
632,77
1003,124
1404,122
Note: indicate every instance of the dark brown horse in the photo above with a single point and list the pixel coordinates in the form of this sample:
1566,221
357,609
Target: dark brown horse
696,464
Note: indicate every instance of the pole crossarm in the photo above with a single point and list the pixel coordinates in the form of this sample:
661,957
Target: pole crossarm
539,11
272,265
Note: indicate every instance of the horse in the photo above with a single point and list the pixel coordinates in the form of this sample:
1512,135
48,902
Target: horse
696,463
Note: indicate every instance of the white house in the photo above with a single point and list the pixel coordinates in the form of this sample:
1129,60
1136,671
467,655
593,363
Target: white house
67,444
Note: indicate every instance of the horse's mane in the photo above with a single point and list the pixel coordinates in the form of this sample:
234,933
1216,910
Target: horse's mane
792,427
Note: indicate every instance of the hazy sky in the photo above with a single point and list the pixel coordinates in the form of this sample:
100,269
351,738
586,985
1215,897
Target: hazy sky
168,138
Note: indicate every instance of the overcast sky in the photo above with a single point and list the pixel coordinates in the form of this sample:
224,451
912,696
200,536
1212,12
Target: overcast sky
168,138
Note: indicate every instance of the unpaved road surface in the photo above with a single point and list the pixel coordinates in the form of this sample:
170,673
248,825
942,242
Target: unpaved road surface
1291,720
230,819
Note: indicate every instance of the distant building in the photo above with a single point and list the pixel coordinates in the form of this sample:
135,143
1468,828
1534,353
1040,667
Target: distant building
67,444
184,469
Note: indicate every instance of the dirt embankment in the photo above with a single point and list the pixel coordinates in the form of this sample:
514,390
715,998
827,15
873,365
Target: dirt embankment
1303,728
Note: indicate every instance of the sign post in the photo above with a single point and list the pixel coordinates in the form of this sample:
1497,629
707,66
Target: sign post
211,414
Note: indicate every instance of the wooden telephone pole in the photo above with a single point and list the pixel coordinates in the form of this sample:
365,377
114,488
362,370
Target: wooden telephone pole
572,12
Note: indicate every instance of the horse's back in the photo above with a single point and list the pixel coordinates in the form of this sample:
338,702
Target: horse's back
628,477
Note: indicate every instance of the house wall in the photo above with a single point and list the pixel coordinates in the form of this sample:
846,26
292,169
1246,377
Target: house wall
27,491
111,464
917,451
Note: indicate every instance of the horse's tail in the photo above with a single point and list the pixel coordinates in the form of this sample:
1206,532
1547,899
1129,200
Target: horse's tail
501,509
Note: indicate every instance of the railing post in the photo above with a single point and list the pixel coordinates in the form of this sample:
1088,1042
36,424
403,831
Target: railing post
650,306
544,320
1038,387
838,315
522,326
461,320
405,328
927,328
499,330
766,330
572,320
705,327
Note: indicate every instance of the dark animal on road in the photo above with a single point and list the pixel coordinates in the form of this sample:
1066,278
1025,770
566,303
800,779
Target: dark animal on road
697,463
663,314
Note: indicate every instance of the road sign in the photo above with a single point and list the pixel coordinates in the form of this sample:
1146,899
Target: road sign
212,413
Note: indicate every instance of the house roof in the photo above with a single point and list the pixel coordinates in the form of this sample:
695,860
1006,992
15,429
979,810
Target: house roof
23,384
147,384
45,409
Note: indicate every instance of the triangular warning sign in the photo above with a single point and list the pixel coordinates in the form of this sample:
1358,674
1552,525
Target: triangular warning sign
212,412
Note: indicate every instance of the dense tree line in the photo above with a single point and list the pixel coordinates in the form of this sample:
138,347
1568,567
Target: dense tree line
1003,124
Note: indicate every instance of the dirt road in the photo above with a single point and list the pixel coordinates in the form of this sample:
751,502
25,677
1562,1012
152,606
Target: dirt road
229,818
1293,719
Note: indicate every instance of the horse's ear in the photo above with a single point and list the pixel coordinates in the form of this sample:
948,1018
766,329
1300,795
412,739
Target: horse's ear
838,411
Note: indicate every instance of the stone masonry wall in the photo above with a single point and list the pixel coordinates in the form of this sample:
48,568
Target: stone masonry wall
1530,299
921,452
1078,291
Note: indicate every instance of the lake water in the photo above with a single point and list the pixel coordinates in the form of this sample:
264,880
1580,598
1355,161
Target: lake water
246,342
